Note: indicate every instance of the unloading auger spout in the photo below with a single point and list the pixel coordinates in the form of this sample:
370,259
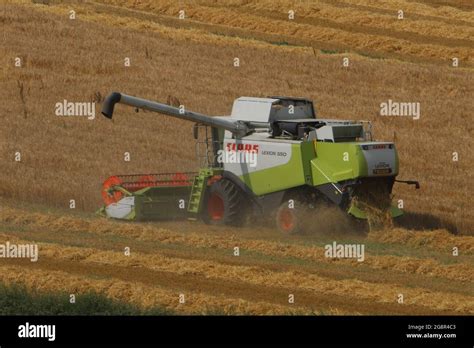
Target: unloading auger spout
237,127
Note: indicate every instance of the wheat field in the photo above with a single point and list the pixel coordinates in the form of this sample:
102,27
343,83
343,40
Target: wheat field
192,59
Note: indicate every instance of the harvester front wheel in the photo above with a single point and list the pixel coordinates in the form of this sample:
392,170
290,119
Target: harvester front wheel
223,204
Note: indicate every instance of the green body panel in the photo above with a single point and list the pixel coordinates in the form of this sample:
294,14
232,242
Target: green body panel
316,163
396,212
308,153
330,165
156,203
396,161
360,214
278,178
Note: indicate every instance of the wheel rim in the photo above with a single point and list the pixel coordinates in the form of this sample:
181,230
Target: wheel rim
286,220
215,207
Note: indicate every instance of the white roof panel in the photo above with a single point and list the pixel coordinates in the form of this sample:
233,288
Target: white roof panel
258,100
252,109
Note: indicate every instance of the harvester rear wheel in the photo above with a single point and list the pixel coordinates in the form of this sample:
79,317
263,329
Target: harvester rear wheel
223,204
289,220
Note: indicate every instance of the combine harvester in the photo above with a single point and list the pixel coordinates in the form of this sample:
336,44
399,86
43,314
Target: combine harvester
270,157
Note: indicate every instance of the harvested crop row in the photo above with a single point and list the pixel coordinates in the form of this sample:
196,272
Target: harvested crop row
171,33
428,267
138,294
415,8
411,265
394,5
437,240
351,16
320,33
291,280
302,32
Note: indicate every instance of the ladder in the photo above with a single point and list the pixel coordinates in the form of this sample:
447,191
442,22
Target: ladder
198,190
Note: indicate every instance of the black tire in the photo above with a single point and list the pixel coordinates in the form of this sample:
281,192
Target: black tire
223,204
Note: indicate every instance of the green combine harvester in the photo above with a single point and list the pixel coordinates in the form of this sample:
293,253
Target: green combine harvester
271,157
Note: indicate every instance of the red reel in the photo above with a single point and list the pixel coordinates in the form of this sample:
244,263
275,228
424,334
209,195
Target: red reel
179,179
144,181
108,195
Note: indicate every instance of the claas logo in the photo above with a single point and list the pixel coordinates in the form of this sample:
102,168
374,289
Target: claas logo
242,147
